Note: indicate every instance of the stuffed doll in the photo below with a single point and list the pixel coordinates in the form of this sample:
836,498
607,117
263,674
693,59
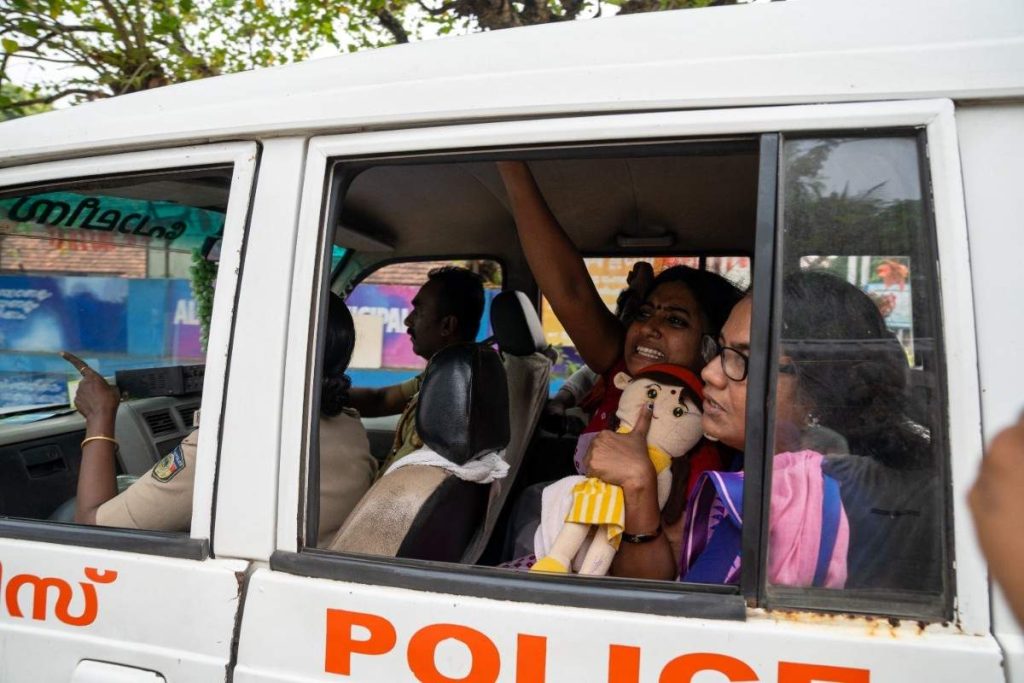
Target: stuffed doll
572,507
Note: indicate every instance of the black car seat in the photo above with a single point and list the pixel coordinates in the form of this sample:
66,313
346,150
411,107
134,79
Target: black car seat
426,512
520,338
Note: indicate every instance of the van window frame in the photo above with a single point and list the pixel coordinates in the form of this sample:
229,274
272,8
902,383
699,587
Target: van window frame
526,138
621,594
899,604
241,159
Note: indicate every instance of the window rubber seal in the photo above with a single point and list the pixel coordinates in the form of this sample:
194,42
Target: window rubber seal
625,595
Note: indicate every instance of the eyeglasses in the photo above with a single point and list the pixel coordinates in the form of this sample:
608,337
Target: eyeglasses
734,361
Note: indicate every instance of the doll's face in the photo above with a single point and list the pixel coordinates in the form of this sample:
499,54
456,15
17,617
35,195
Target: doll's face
675,426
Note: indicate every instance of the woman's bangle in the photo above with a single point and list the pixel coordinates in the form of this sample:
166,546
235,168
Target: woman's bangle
100,438
641,538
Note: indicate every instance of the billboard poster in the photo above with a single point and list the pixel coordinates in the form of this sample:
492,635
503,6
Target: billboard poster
111,322
183,330
390,305
50,314
610,278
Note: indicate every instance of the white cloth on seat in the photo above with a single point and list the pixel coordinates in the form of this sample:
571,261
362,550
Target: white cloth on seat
483,470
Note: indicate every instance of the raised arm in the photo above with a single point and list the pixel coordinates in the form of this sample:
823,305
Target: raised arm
97,476
559,270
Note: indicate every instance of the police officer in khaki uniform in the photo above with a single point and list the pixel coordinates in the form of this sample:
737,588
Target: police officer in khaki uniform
161,499
445,311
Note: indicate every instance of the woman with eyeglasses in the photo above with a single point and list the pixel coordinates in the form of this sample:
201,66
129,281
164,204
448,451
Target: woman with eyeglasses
842,404
840,369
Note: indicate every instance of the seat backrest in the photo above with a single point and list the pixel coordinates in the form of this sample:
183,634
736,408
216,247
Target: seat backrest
520,338
425,512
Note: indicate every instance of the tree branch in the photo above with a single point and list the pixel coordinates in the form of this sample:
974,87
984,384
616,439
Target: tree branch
495,15
572,8
58,27
53,60
445,7
119,26
138,25
390,22
50,99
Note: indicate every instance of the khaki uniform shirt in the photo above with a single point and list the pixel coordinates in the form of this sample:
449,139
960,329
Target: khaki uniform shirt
406,438
161,499
346,470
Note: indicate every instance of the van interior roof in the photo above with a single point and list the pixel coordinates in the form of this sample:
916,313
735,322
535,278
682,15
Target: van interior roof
698,198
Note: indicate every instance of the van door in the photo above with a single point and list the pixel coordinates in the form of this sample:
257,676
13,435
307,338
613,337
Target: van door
115,258
314,615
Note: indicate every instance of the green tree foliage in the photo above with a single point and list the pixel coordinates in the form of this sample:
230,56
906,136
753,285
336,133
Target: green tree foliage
203,276
372,23
822,222
102,48
13,93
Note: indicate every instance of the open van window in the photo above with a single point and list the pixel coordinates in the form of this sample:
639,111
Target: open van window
458,205
409,208
117,271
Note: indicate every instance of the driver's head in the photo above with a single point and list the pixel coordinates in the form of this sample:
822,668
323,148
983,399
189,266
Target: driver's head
446,310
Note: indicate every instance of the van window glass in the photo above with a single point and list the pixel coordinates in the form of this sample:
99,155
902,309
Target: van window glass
121,273
860,460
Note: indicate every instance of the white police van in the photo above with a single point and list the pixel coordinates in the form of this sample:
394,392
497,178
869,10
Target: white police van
883,141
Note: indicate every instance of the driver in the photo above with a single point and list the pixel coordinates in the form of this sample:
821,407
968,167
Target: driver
446,311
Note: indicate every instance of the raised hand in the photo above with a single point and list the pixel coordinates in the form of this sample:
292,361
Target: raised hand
622,459
94,398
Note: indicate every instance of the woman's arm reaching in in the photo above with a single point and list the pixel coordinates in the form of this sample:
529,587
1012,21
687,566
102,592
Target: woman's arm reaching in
560,271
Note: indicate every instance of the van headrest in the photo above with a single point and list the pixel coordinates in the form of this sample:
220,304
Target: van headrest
516,326
463,403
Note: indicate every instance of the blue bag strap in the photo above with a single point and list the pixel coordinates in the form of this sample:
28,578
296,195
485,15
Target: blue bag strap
831,509
723,550
730,489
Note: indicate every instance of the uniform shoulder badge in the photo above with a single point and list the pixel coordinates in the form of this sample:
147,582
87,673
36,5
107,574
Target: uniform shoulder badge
169,465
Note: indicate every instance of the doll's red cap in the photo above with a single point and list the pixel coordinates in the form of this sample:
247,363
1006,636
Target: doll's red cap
678,372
